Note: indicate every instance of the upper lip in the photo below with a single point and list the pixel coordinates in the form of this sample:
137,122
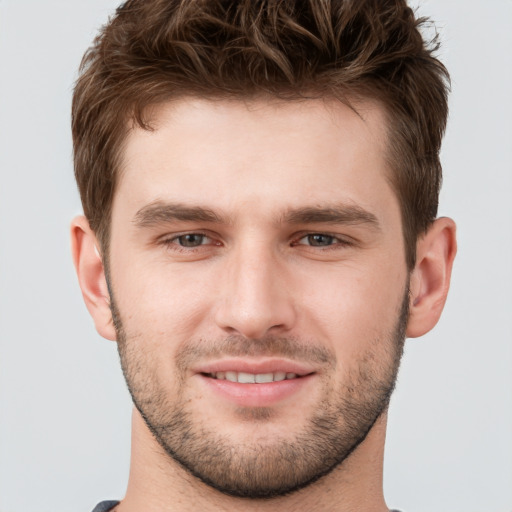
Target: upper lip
255,366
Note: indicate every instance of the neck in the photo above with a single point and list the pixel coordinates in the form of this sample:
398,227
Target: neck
157,483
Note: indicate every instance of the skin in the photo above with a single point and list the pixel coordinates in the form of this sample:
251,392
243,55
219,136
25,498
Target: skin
270,174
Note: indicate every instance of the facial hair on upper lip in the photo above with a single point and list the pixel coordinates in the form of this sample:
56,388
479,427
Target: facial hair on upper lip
291,348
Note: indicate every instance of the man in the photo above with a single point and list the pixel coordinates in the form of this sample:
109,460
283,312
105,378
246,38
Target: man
260,184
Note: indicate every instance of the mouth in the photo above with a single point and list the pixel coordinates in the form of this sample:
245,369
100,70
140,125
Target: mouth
256,384
253,378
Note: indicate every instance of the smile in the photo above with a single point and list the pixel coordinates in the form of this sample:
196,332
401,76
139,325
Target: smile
253,378
270,384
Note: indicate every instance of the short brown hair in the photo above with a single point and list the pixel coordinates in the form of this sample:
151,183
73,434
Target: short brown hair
155,50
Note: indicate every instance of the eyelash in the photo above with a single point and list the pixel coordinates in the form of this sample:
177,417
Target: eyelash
173,242
336,241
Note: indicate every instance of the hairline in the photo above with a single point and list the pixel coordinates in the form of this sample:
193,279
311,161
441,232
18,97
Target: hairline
142,119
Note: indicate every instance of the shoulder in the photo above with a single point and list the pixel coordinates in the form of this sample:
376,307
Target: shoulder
105,506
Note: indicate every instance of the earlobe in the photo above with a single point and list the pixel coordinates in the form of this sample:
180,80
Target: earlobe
91,276
430,280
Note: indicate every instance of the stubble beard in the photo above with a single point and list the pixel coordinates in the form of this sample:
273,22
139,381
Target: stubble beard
267,467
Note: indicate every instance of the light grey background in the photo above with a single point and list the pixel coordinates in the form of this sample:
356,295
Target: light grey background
64,412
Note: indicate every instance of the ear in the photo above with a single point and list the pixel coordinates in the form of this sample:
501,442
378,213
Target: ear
91,276
430,280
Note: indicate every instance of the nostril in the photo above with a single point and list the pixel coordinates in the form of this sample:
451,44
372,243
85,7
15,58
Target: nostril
254,307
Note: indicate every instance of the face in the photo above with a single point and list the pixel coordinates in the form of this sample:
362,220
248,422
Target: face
259,286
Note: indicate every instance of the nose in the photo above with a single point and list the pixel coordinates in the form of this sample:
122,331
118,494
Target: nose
255,298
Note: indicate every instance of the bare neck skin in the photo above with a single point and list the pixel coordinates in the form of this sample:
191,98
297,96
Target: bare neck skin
157,483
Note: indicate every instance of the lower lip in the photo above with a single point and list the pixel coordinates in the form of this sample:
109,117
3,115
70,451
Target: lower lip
256,395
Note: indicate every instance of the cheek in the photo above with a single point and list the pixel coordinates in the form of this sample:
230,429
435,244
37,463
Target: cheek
352,308
157,303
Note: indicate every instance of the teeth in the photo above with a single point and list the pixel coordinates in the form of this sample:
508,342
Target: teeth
231,376
261,378
251,378
246,378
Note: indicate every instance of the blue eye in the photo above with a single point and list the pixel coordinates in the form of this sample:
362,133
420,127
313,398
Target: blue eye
323,241
319,240
191,240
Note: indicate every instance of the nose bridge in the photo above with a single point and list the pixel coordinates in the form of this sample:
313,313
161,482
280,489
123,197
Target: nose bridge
254,296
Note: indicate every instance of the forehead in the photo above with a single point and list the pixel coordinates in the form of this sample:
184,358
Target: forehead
225,153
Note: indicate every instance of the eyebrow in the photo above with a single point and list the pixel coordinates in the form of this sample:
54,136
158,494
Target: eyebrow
159,212
162,212
338,214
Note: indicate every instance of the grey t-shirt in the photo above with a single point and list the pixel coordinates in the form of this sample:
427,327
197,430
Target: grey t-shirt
105,506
